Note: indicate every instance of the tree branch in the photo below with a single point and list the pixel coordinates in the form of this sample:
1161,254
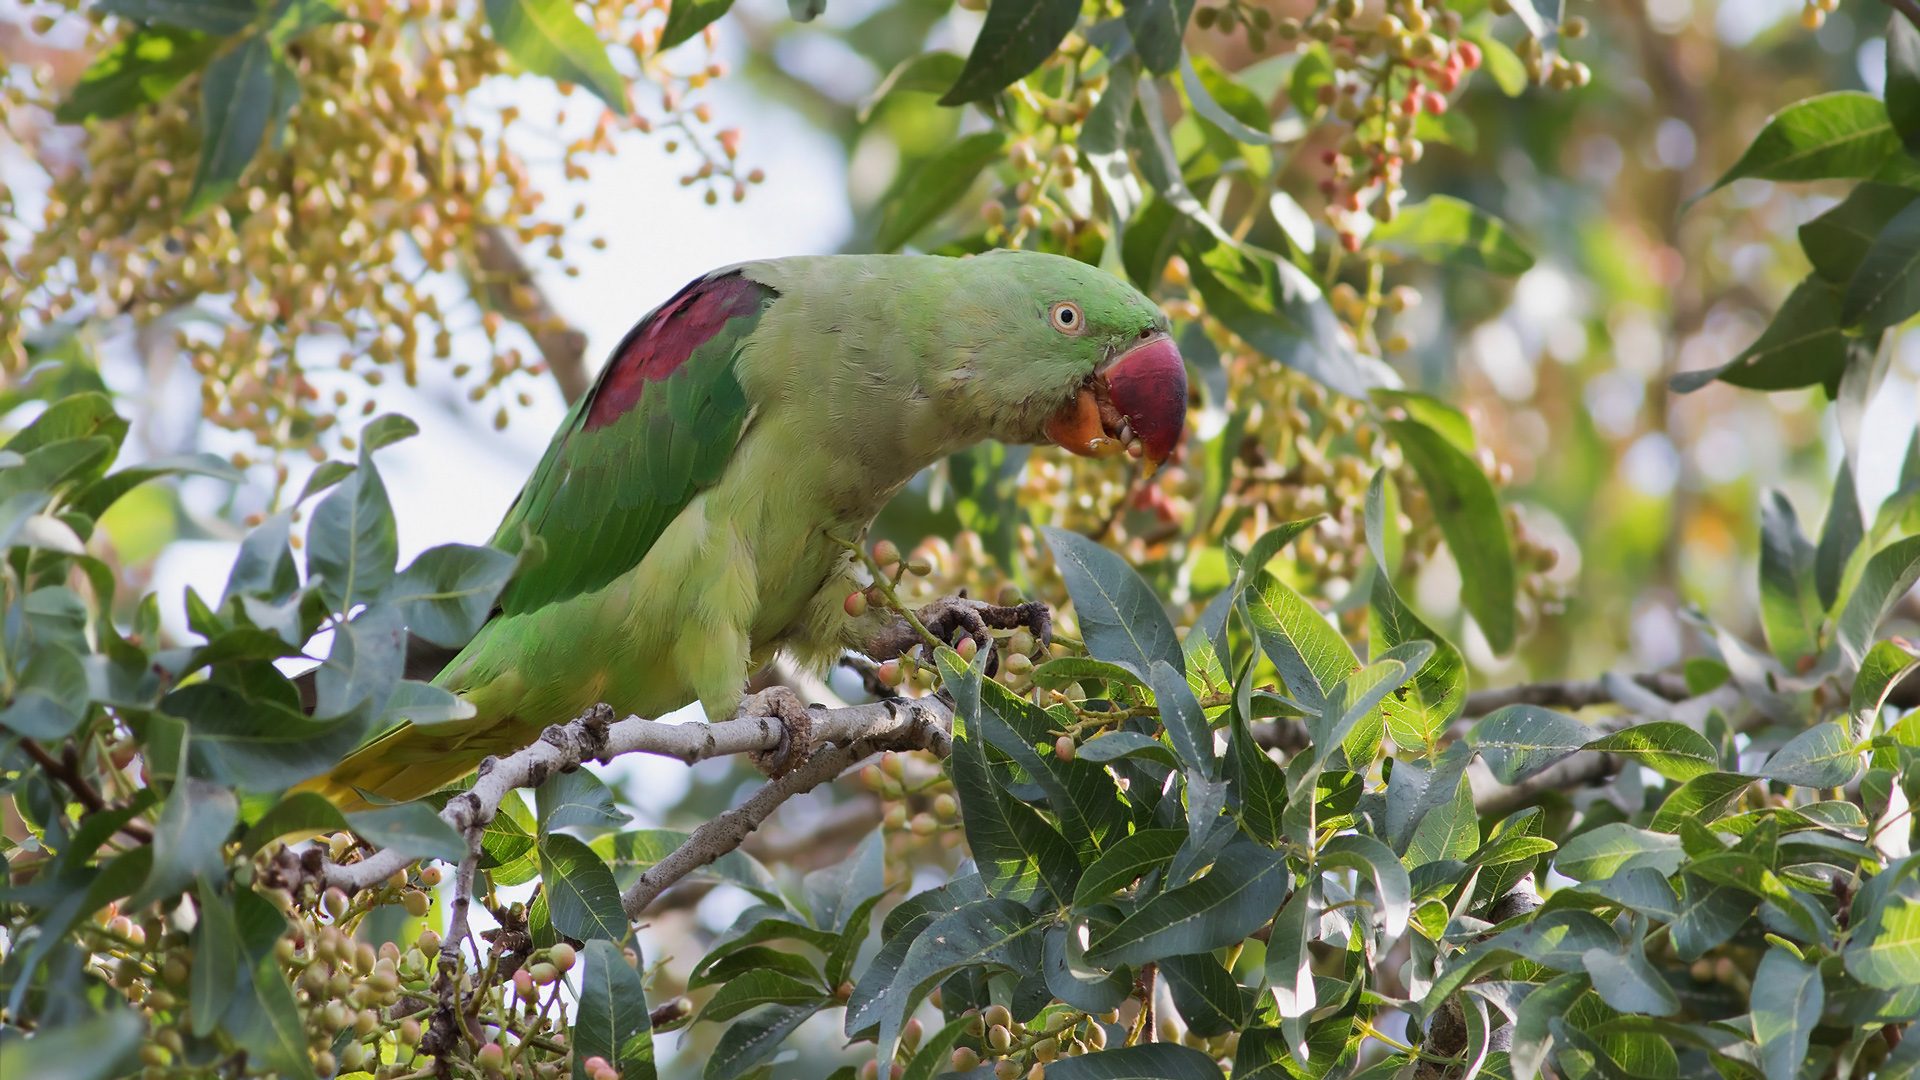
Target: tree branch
66,769
921,723
510,289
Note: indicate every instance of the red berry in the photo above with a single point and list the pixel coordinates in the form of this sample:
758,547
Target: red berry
1328,186
1436,103
1352,201
1469,54
1350,242
1328,157
1326,94
1448,80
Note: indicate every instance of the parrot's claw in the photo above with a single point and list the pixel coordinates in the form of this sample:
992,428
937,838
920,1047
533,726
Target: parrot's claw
949,615
796,730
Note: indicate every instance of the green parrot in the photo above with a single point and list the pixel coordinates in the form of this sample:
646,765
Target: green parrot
686,513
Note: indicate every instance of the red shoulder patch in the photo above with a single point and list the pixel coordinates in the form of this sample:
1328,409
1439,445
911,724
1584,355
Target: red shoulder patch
655,349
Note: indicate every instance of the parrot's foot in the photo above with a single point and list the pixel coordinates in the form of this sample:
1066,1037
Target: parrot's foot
796,730
947,616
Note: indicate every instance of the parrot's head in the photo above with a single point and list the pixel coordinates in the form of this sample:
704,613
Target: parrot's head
1077,357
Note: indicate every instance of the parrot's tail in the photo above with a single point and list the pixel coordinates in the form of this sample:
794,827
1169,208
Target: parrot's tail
400,766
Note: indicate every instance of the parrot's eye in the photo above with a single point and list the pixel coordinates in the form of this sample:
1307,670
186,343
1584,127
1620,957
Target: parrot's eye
1067,318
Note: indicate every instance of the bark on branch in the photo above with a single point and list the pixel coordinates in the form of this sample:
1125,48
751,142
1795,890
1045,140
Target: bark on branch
508,284
901,724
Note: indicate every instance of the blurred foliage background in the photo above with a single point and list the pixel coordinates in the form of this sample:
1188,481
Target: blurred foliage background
407,232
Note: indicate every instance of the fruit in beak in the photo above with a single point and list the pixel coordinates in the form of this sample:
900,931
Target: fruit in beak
1137,403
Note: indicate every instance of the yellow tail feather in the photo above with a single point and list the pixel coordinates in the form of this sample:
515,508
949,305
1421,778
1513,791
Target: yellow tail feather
402,765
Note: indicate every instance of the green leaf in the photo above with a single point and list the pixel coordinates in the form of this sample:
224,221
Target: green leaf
1903,79
194,823
1016,39
1520,740
1258,781
1530,1039
752,989
1787,999
1205,994
1880,671
1840,536
1275,308
1450,831
1790,606
1070,979
412,829
1616,848
1837,241
51,695
1884,946
1628,983
236,101
935,186
1057,673
93,1049
1377,861
136,71
576,798
1125,862
298,812
1448,231
219,17
1671,749
363,665
1241,892
1203,102
1820,757
1886,291
612,1020
1118,745
755,1039
270,1027
1120,618
352,544
1887,577
1156,28
1437,693
582,899
1507,71
1309,653
1802,346
754,958
1710,914
687,18
1186,725
1469,514
1018,852
1844,135
547,38
1701,798
927,73
1150,1061
996,933
216,959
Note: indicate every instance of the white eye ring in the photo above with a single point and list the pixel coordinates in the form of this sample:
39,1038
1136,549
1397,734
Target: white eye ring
1067,317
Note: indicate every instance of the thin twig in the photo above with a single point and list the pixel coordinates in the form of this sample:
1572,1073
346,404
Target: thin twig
66,769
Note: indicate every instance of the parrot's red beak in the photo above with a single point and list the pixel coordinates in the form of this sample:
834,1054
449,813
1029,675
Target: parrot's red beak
1138,404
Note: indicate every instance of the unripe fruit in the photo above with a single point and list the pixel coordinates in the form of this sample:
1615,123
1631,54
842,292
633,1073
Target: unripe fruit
1097,1035
945,808
544,974
892,765
896,816
856,604
563,956
886,552
924,824
997,1016
1038,1072
844,991
1021,641
491,1056
911,1034
1019,664
1063,748
993,213
324,1063
965,1060
417,904
409,1033
968,649
1573,27
889,673
1006,1069
871,777
870,1070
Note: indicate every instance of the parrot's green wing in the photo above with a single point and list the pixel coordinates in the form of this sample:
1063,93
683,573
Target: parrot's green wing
657,427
